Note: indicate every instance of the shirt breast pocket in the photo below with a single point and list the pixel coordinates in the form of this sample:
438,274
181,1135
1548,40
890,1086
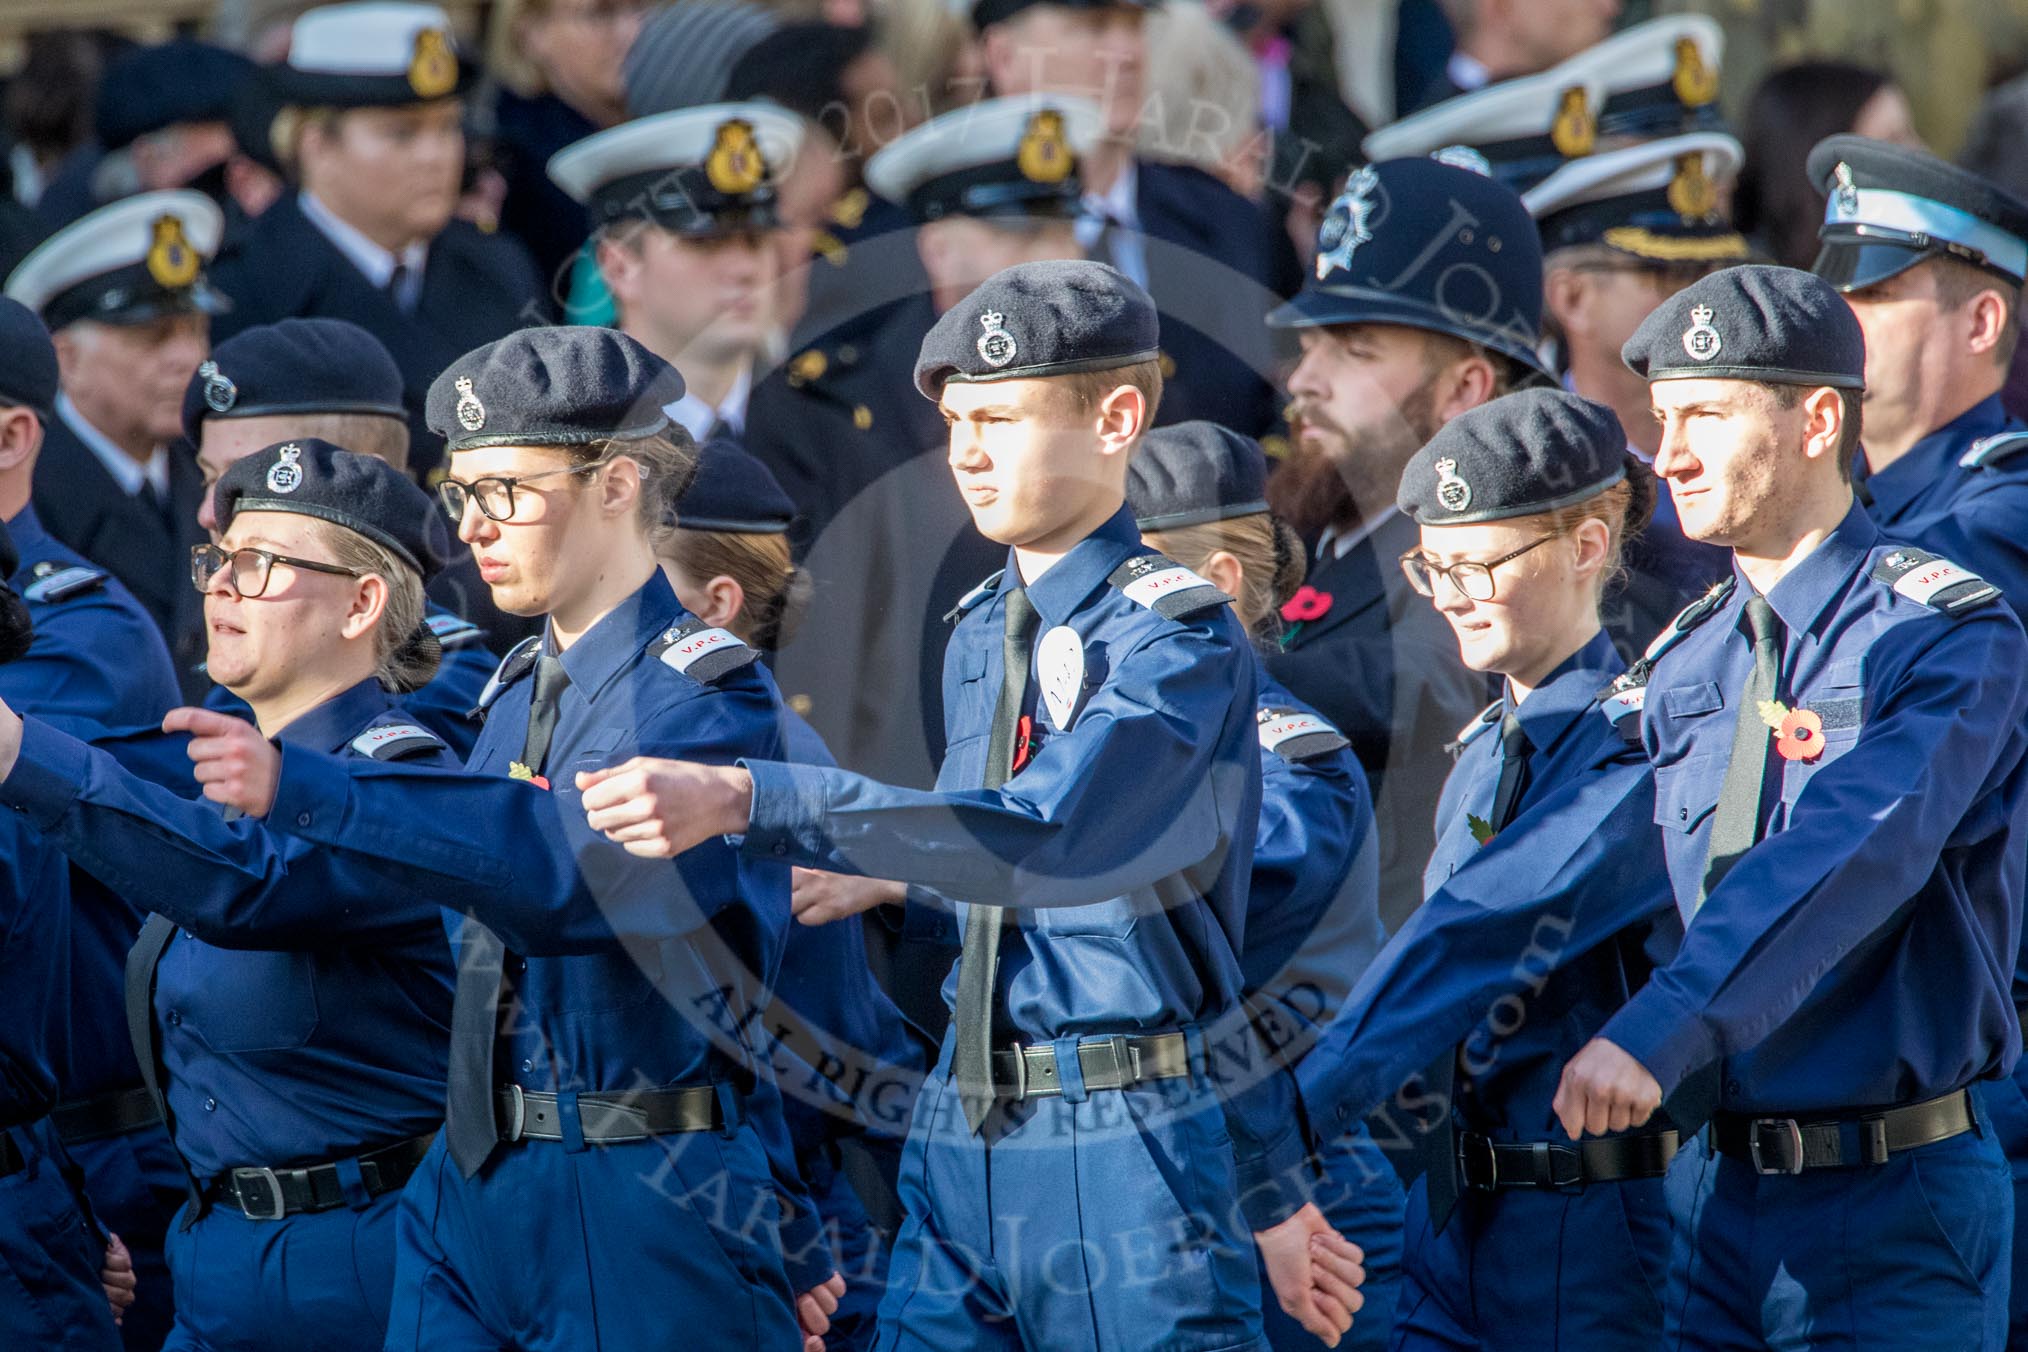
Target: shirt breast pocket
1687,794
240,1000
1678,713
1839,702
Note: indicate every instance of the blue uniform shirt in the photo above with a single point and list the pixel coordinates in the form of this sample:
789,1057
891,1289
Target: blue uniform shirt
1540,908
1860,954
299,1020
1123,844
1972,515
34,978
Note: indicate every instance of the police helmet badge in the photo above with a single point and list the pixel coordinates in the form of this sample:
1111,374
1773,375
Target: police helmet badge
1453,492
996,345
1348,224
433,69
1845,192
1044,155
1464,157
171,261
220,394
286,475
1695,82
471,413
1700,340
1575,131
735,165
1691,194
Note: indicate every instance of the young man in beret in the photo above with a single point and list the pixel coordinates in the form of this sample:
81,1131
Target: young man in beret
1838,741
1069,1178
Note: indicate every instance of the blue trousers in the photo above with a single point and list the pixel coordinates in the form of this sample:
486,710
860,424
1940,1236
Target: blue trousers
1532,1270
315,1281
1082,1223
135,1184
1360,1195
2006,1103
665,1245
50,1297
1912,1255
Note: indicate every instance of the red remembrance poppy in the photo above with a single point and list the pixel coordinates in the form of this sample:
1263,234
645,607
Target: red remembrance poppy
1307,604
1800,736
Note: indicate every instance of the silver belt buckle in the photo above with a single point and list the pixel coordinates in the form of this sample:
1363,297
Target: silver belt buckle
267,1178
1126,1060
512,1132
1020,1074
1790,1129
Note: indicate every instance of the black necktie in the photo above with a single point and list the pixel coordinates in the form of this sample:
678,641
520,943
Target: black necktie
397,287
1441,1145
979,963
470,1128
1735,825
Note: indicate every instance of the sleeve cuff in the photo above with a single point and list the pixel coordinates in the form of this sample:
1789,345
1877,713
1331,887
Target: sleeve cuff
47,775
1271,1187
1656,1029
788,808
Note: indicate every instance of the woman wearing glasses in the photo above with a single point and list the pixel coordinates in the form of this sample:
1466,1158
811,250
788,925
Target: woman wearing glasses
295,1022
1546,877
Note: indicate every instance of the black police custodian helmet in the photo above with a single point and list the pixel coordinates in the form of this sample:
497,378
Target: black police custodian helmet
1430,246
1523,453
1889,207
309,477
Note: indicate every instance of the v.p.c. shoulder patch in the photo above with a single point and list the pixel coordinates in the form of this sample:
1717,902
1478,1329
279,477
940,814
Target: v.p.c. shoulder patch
703,652
1932,581
1166,587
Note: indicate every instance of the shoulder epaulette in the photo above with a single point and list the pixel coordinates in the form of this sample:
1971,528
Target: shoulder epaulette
518,662
54,582
1628,692
1932,581
974,597
1166,587
1987,452
1480,721
1297,735
452,631
392,741
701,651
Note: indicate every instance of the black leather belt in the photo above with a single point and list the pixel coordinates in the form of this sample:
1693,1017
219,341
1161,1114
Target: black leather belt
1107,1062
1488,1165
270,1194
611,1118
105,1115
1789,1145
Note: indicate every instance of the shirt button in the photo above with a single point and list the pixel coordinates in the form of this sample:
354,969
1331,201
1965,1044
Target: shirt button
1732,1087
211,1105
517,965
1682,814
527,1063
174,1019
781,848
302,819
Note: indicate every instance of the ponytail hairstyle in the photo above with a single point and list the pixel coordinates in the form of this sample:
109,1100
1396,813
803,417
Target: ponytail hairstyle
1626,508
777,591
1271,561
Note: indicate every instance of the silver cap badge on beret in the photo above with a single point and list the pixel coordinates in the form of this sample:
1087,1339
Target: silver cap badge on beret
285,475
1464,157
1700,340
1846,191
1345,225
471,413
1453,492
220,394
996,345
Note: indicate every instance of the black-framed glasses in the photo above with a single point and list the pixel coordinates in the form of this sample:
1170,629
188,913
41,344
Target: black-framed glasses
251,568
495,492
1472,577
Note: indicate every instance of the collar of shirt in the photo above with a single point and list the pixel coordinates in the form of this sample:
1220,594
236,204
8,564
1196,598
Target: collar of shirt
1467,73
1933,459
697,418
128,474
1117,206
1823,575
1332,544
375,262
1058,592
604,650
24,528
336,721
1551,707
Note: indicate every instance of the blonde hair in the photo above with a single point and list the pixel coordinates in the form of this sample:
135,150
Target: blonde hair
1270,556
777,591
406,653
668,462
1625,508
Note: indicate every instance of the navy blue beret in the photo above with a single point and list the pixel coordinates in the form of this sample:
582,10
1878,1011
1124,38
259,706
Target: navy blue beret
294,366
152,87
1194,472
363,493
733,492
1048,318
28,374
1427,245
1780,326
1531,451
1888,207
570,385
